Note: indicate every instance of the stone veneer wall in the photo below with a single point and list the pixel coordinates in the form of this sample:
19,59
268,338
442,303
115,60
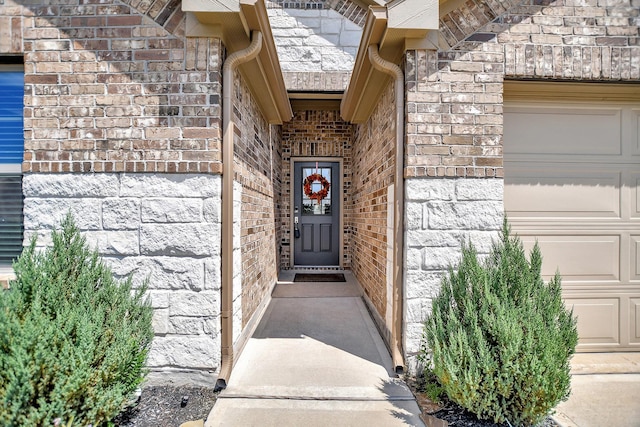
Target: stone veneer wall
315,133
161,227
454,117
316,44
373,173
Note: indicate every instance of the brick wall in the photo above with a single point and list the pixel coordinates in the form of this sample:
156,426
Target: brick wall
108,89
315,133
258,171
454,96
372,174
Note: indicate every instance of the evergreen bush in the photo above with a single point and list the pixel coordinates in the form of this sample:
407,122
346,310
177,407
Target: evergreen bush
73,340
500,339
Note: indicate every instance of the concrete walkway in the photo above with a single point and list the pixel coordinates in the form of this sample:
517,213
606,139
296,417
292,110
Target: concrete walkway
315,359
605,391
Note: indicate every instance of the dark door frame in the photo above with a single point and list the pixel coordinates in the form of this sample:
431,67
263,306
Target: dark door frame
340,193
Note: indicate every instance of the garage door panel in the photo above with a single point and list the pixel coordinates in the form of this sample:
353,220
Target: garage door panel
578,258
635,255
561,192
563,130
598,319
635,195
572,181
636,132
635,320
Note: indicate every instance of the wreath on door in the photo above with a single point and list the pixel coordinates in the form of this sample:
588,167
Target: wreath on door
316,195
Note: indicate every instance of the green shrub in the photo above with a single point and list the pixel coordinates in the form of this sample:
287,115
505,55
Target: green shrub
73,341
500,339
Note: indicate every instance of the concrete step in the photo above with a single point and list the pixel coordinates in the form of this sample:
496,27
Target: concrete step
313,413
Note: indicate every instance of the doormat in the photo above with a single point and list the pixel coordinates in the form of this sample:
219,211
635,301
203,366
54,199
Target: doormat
319,277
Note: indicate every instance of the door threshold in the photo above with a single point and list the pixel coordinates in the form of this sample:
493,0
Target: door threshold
303,268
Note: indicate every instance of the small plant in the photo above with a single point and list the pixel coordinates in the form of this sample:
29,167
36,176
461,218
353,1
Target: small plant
73,340
500,339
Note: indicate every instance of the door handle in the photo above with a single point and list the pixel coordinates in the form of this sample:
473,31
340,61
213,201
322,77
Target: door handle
296,230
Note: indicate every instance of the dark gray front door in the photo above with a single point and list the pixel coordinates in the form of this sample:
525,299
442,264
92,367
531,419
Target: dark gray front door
316,201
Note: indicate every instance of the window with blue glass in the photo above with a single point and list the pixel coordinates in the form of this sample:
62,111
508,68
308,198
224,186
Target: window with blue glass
11,153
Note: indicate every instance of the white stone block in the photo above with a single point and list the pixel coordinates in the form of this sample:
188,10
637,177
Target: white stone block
160,321
301,54
181,325
198,352
212,326
426,189
212,210
121,214
481,240
282,22
478,215
336,60
49,213
194,304
169,185
171,210
417,310
440,258
180,239
480,189
158,299
177,273
310,22
432,238
300,33
422,284
413,337
413,216
325,40
331,25
212,273
288,42
298,66
304,13
413,259
350,38
114,242
70,185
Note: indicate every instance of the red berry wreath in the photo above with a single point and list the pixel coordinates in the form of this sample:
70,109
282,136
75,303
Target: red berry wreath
320,194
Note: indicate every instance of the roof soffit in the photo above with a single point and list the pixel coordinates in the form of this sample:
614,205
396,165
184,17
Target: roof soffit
233,21
395,27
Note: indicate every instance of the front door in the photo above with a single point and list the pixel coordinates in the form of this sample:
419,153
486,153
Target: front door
316,213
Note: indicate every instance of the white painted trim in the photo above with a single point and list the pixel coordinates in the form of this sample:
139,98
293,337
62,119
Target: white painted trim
11,168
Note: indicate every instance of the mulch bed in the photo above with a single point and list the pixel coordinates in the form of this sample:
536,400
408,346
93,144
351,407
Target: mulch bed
448,413
168,406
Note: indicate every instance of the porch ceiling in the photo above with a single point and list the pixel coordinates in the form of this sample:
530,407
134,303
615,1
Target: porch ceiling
233,21
395,27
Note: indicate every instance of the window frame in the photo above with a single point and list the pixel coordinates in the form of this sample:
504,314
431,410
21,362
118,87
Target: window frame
12,64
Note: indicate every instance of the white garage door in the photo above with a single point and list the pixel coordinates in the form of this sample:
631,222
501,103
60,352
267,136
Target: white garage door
572,181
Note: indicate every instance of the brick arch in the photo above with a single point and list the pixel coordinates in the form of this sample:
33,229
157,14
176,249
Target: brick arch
544,39
166,13
350,9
